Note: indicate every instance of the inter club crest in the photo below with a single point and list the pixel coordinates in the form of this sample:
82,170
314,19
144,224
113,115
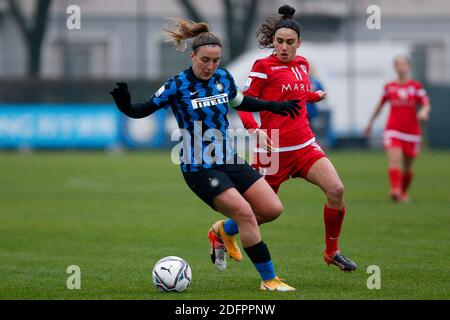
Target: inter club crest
214,182
220,86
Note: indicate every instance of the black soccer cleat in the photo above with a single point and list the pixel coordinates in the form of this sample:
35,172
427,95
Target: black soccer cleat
341,261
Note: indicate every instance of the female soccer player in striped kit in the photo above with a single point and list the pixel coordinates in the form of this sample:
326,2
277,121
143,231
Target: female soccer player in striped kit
401,137
199,98
283,76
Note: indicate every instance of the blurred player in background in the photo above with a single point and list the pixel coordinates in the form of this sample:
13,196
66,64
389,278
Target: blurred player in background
199,97
401,137
311,106
280,77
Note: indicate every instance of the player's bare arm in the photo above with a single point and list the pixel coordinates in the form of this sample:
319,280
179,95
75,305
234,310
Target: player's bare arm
424,113
378,108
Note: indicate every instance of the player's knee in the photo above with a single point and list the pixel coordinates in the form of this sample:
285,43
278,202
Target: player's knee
273,211
247,219
244,215
277,208
395,164
336,192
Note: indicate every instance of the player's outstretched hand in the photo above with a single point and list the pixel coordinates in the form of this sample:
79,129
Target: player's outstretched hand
423,115
322,95
121,96
286,108
262,140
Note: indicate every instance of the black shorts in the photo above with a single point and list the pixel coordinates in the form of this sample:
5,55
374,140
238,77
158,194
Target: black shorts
209,183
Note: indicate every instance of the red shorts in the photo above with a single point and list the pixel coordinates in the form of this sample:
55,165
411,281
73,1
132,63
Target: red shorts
409,149
278,167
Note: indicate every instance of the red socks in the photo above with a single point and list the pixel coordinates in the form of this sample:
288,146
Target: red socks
395,179
399,181
333,222
406,180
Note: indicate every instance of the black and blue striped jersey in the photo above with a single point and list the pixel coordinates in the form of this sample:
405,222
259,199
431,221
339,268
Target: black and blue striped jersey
200,108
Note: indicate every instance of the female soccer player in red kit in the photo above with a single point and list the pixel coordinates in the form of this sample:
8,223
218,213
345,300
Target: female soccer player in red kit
402,134
284,76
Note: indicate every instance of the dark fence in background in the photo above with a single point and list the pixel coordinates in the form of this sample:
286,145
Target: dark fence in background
70,91
90,91
75,114
438,128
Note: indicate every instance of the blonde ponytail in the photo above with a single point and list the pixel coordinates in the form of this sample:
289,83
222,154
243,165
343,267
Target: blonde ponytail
187,29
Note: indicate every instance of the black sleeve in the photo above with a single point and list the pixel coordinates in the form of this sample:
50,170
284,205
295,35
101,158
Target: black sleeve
122,98
285,108
254,105
140,110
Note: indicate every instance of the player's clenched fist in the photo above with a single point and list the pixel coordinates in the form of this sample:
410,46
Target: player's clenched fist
121,96
322,94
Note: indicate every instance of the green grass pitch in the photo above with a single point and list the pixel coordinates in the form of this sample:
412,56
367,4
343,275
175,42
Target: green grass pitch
115,215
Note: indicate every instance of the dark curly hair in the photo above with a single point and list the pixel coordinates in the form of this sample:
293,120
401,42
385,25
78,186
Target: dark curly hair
267,30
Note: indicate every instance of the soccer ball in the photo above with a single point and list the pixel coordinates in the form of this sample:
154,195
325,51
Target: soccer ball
172,274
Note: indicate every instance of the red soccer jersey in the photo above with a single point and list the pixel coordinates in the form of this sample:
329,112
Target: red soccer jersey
272,79
404,99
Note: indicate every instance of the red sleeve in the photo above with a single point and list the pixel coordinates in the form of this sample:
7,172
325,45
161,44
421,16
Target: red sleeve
313,97
421,94
384,97
253,88
248,120
256,80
